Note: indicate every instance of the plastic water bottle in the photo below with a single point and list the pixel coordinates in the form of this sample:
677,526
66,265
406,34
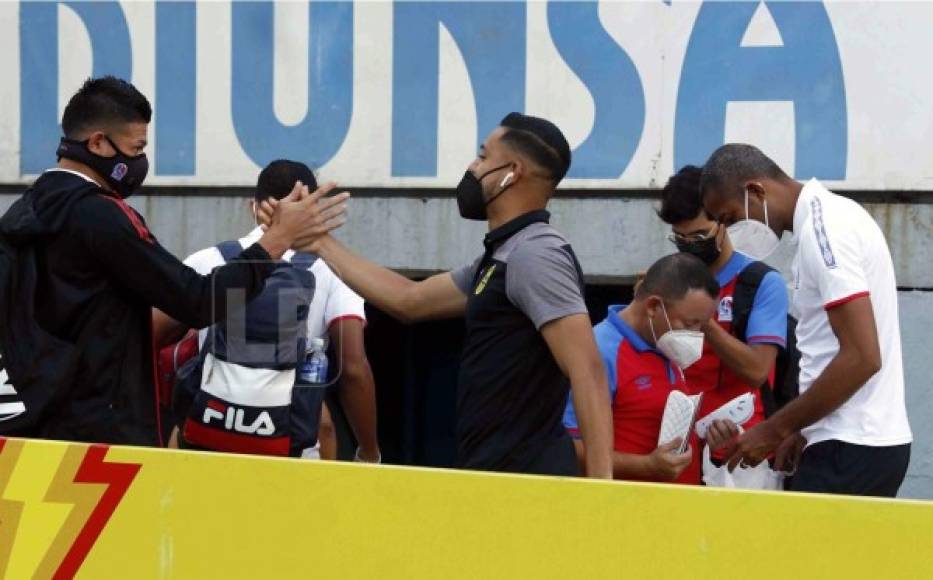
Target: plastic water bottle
314,368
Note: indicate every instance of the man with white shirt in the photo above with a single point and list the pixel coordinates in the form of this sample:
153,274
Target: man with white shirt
335,312
851,410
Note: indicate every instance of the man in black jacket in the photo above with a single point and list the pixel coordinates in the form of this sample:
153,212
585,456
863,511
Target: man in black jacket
99,270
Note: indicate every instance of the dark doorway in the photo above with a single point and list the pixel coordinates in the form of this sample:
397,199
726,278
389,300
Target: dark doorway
416,380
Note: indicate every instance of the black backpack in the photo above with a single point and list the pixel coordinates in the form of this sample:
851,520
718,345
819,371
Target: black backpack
36,368
787,366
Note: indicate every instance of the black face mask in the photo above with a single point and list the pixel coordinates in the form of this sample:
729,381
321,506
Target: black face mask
124,174
706,250
470,195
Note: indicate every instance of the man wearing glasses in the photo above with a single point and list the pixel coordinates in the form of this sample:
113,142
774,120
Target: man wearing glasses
737,358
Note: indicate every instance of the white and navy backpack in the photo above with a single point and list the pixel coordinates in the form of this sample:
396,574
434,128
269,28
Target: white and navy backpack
241,394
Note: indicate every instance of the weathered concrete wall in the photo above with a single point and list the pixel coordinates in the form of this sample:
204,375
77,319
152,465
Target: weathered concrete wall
916,313
613,238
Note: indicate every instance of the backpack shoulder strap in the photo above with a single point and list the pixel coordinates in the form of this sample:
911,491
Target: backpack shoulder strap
743,299
229,249
746,287
303,260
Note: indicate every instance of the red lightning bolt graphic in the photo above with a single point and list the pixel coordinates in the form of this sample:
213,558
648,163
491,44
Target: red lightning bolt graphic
92,506
94,469
10,511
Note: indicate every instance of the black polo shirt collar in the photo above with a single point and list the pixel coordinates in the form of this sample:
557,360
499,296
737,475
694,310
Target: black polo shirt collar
508,229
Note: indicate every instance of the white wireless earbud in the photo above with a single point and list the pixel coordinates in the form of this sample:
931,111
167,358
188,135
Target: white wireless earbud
507,179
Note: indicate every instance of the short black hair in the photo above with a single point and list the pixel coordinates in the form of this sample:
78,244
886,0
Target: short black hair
733,164
102,103
278,179
540,141
680,198
673,276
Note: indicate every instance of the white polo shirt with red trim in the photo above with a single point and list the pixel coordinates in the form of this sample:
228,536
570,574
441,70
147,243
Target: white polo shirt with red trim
842,255
333,300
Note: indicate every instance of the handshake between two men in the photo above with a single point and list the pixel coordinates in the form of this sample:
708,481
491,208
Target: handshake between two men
301,219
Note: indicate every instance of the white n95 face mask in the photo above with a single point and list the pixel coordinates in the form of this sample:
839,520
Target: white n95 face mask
682,347
753,238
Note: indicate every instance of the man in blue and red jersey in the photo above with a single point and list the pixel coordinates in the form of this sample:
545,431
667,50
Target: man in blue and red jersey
730,366
645,347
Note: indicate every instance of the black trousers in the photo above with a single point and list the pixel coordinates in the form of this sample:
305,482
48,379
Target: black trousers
845,468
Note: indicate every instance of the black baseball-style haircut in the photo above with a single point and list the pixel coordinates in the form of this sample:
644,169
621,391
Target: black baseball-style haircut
680,198
540,141
732,165
278,179
100,104
673,276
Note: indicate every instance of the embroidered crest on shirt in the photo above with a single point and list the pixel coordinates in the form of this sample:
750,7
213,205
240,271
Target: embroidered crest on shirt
485,280
819,229
643,382
725,309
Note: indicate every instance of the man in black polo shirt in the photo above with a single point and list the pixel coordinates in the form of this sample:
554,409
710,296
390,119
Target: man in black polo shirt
527,325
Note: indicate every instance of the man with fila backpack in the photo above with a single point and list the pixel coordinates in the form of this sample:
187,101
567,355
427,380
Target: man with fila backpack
325,308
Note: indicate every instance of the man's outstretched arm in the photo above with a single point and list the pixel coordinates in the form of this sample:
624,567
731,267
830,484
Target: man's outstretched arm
571,341
403,299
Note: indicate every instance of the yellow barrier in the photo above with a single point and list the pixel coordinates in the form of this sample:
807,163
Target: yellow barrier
122,512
